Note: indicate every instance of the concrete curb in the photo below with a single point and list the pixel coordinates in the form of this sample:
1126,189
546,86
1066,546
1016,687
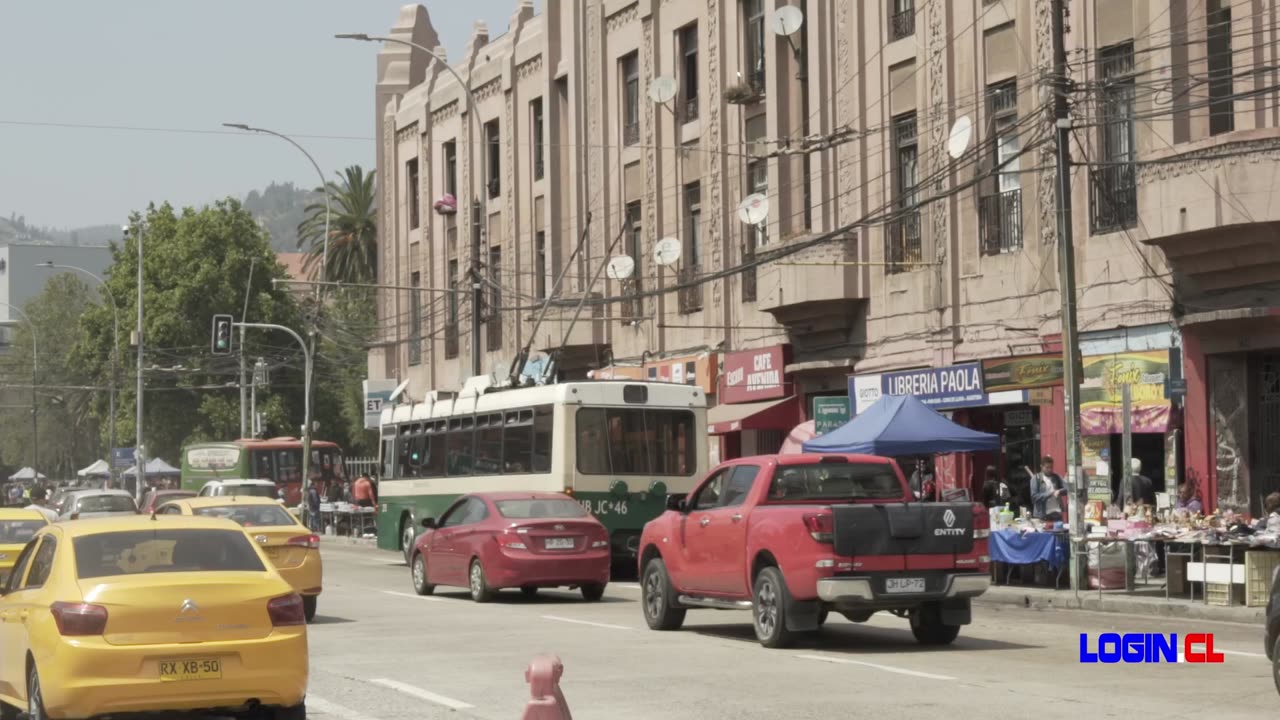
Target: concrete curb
1044,599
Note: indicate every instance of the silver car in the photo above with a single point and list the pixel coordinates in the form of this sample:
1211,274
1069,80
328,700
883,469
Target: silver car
97,503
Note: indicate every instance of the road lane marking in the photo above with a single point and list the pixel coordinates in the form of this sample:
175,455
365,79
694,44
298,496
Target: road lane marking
321,705
411,595
886,668
626,586
421,694
586,622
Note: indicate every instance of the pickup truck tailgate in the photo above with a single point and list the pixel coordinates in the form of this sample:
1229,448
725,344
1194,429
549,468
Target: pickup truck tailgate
903,529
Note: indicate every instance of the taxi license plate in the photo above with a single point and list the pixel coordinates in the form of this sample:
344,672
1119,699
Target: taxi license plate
200,669
904,585
559,543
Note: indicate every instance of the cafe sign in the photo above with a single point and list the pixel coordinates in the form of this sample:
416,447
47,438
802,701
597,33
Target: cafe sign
754,375
1022,373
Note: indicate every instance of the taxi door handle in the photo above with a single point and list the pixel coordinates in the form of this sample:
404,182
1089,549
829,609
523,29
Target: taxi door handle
705,521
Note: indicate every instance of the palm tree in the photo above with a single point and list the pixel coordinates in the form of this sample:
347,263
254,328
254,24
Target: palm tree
353,230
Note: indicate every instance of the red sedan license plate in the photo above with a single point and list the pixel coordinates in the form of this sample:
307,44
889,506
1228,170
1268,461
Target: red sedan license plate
559,543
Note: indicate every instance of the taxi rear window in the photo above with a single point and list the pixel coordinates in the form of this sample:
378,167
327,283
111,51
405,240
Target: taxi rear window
164,551
18,532
250,515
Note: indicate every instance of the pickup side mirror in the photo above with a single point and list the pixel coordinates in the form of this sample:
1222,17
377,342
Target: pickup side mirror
429,523
676,503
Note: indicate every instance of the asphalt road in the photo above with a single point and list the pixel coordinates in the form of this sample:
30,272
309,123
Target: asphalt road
379,652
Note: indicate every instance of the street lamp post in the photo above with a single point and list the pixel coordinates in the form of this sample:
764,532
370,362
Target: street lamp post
478,205
35,367
324,272
139,452
115,339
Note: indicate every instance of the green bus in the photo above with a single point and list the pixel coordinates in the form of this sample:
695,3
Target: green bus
616,447
278,460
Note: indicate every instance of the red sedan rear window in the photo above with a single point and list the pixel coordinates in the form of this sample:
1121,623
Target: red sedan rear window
527,509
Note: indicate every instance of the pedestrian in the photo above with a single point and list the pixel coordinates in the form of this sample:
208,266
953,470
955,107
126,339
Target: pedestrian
1047,492
1142,490
362,492
40,503
313,508
995,493
15,495
1188,499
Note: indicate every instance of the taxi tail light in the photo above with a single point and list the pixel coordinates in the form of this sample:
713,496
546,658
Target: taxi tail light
79,619
981,521
821,526
287,610
310,542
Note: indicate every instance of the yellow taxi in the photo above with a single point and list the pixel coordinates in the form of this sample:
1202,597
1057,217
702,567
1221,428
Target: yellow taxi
17,527
143,614
292,547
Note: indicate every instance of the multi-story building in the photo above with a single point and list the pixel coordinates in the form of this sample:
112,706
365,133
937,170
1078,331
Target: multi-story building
898,252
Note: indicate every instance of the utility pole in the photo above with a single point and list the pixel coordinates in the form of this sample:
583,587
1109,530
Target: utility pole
244,375
1078,487
139,455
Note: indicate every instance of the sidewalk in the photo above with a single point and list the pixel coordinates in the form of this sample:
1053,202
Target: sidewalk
1140,603
366,542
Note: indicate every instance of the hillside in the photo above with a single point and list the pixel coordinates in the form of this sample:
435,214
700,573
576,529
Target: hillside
280,208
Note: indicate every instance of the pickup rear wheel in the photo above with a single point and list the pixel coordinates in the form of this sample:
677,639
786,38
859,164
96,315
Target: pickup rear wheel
770,610
927,626
659,599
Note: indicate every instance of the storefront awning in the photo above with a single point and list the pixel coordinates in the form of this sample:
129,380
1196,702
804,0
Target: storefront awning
767,415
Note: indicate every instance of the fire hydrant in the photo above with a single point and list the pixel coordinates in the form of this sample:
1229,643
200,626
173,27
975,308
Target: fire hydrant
547,702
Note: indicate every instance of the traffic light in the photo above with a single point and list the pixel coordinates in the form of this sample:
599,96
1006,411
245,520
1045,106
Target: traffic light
222,334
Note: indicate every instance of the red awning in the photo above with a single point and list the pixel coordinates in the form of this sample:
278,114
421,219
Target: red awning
767,415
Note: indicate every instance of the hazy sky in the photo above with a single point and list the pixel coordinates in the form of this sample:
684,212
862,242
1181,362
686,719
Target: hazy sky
182,64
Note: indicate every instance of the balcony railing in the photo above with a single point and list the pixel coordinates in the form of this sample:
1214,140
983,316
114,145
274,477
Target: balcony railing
902,246
902,24
1113,198
631,133
451,341
1000,222
748,274
690,297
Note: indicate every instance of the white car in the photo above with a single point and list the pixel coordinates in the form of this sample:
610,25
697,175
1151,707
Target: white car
80,504
225,488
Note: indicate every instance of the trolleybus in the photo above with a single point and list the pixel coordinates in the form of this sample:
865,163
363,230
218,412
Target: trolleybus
278,460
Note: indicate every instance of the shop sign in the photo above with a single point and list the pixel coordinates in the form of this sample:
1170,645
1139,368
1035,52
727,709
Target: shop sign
864,391
376,394
697,370
1022,373
1018,418
941,388
1040,396
829,413
1101,389
753,375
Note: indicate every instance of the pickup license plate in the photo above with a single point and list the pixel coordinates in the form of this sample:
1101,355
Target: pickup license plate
559,543
199,669
904,585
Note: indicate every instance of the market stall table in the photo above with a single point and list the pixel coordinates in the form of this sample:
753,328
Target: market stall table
1030,547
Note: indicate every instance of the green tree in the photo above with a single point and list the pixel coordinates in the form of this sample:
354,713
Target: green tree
196,263
353,229
68,431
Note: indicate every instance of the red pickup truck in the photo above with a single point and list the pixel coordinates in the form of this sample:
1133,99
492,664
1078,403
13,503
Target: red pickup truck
792,537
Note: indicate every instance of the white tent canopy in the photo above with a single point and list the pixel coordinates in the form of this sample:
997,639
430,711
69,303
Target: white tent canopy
155,466
99,468
27,473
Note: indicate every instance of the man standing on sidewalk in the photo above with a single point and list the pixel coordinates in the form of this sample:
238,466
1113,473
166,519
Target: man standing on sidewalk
362,492
1047,492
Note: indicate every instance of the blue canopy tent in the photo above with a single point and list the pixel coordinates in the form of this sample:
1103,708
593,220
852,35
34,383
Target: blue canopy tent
898,426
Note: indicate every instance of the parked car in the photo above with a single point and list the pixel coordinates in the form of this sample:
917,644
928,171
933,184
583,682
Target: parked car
1271,636
82,504
291,546
17,527
487,542
257,488
192,600
794,537
154,499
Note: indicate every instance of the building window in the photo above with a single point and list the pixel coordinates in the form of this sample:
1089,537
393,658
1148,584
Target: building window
691,297
753,42
1113,190
902,19
540,264
493,159
1000,208
1222,109
687,42
451,314
629,66
411,171
634,307
902,236
535,109
451,167
493,320
415,320
758,183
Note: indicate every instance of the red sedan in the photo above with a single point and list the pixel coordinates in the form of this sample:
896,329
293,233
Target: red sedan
490,541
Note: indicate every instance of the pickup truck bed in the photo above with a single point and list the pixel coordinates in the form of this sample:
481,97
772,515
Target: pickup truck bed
796,537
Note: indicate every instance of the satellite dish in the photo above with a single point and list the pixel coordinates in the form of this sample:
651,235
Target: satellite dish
754,209
787,20
621,267
961,134
662,89
395,395
667,251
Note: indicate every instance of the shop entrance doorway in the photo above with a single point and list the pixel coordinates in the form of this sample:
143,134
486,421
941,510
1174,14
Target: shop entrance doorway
1147,447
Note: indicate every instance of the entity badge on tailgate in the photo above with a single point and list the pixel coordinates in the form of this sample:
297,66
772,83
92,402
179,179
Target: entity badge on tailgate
949,518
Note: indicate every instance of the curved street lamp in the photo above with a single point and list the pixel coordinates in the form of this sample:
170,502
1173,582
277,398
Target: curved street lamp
35,367
115,335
